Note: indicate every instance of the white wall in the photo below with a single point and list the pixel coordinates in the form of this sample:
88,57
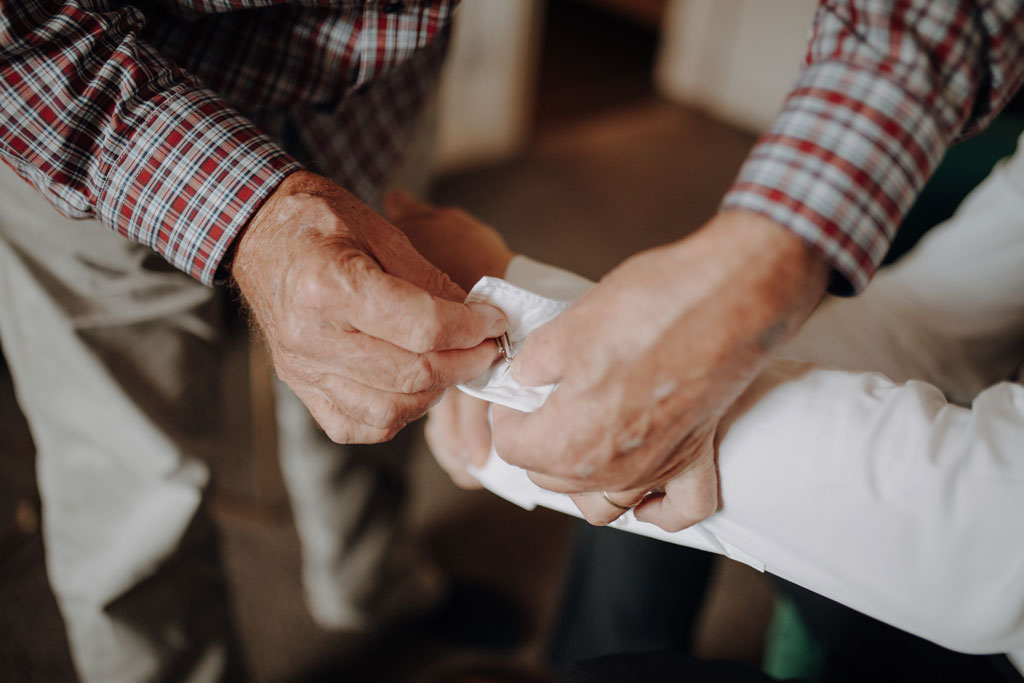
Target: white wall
487,87
736,59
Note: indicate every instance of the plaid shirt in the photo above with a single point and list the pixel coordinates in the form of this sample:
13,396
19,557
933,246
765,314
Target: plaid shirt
887,87
167,120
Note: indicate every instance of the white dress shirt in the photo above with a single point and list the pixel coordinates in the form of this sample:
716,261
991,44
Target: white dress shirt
878,490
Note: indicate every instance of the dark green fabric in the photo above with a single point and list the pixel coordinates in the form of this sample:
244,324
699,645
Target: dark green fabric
963,167
791,649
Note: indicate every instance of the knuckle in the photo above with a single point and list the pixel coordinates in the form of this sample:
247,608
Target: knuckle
422,375
691,511
671,527
314,286
674,525
293,333
339,431
426,331
704,506
386,415
344,431
393,414
388,434
370,436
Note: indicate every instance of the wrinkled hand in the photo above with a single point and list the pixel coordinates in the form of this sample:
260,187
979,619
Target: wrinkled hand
649,361
457,429
365,330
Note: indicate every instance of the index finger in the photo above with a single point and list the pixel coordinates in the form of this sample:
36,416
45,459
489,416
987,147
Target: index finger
399,312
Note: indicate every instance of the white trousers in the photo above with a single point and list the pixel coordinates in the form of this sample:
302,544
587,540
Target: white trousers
116,365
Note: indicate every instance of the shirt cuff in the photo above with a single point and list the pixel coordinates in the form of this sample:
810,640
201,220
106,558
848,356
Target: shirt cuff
841,165
190,179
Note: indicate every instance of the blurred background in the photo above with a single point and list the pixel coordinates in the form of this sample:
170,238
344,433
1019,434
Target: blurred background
584,131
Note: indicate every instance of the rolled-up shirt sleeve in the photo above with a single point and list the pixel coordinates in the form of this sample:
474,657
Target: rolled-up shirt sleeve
106,128
886,88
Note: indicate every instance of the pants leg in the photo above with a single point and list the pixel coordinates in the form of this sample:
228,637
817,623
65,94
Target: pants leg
627,593
360,569
115,366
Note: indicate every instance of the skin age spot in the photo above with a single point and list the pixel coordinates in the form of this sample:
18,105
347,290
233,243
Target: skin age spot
631,443
584,470
665,389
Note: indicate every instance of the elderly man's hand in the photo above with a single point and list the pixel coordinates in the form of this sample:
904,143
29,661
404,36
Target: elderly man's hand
365,330
649,361
457,429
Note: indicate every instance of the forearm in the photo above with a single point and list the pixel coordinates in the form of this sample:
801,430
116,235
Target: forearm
884,93
761,282
106,128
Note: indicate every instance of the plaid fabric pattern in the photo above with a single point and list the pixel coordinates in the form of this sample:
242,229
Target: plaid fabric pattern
168,121
887,86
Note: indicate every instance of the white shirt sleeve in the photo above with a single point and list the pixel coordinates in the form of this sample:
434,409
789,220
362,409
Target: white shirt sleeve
884,497
880,495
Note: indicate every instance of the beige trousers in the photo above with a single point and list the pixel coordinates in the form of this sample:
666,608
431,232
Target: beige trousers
116,365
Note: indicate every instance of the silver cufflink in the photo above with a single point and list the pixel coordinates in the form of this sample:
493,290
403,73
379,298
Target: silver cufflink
505,346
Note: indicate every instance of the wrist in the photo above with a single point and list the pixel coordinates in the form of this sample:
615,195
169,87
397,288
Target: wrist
773,253
772,279
244,243
302,201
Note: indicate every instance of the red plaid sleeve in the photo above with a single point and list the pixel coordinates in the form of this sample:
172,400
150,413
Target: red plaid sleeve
886,89
106,128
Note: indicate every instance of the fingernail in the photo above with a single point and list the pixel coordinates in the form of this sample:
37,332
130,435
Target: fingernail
497,324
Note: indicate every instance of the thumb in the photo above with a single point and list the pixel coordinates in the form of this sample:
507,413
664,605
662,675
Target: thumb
542,358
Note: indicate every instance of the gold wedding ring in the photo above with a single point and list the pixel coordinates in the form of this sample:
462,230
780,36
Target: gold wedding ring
608,499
